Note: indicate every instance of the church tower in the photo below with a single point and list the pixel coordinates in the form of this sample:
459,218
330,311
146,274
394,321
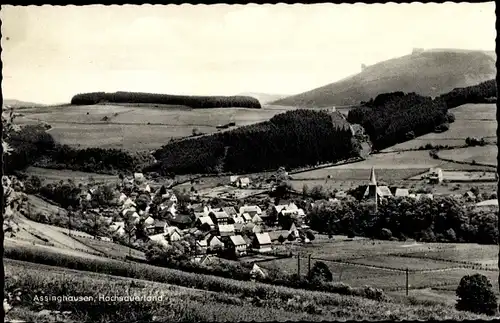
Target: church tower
372,188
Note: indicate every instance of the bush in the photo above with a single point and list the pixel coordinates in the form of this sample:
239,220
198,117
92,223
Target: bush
320,272
476,295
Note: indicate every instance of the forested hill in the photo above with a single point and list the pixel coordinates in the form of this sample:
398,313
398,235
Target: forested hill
396,117
291,139
428,73
195,102
392,118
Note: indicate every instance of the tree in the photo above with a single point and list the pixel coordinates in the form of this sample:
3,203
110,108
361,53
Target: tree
320,272
310,235
476,295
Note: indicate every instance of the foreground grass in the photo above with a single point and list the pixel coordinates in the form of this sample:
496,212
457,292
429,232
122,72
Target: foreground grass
266,298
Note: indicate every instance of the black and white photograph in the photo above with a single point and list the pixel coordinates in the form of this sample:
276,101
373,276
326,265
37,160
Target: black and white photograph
250,162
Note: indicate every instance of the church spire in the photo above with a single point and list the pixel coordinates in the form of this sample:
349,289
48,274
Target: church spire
373,180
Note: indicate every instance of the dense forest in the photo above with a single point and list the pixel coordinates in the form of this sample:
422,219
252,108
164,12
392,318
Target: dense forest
292,139
195,102
485,92
442,219
395,117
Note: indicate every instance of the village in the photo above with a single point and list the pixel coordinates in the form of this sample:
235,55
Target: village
147,211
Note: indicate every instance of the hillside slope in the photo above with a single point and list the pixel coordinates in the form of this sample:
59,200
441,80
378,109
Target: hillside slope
428,73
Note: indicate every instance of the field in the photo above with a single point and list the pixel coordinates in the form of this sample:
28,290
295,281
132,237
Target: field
110,249
207,298
382,264
471,120
127,126
229,192
464,176
56,175
482,155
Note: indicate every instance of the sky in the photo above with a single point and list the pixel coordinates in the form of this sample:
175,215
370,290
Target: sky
51,53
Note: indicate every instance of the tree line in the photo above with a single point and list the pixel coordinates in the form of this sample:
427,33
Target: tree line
442,219
195,102
291,139
485,92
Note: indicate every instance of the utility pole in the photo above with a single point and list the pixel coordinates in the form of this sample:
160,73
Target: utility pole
407,281
298,264
309,265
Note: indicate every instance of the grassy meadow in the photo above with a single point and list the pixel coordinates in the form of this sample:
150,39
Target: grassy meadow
471,120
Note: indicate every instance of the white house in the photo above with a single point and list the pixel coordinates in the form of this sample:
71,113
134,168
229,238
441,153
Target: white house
250,209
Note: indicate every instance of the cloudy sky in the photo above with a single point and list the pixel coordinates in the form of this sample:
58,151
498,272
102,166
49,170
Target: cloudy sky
50,53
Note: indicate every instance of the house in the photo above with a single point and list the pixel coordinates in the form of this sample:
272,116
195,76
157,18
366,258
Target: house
122,198
231,211
129,203
262,242
158,227
219,217
183,221
238,227
226,230
139,177
160,238
401,192
469,195
257,220
435,175
275,235
202,246
214,242
107,239
258,272
170,206
173,233
205,219
173,198
149,221
281,207
237,245
117,228
294,232
250,209
238,219
233,179
132,215
243,182
246,217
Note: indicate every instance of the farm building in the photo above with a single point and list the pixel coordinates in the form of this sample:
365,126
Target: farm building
219,217
233,179
262,242
435,175
243,182
226,230
401,192
250,209
205,219
281,207
237,245
488,204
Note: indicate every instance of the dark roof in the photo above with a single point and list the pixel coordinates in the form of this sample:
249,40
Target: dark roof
159,223
182,218
274,235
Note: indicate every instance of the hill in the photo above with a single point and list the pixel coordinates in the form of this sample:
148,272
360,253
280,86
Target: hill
428,73
194,102
13,103
292,139
264,98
